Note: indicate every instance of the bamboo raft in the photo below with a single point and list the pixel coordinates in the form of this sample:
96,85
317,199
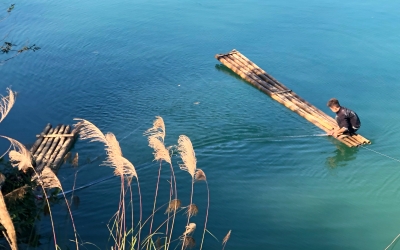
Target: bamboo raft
253,74
52,145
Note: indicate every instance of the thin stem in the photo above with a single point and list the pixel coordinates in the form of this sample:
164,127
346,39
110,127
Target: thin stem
191,201
155,197
205,223
176,197
72,219
140,209
131,193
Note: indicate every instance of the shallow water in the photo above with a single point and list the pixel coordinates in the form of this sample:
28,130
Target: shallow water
272,182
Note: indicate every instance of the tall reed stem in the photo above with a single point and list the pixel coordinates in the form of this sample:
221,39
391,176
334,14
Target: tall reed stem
140,211
176,197
155,196
191,201
205,223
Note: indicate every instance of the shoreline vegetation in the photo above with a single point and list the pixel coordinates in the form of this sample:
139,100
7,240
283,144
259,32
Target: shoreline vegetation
21,184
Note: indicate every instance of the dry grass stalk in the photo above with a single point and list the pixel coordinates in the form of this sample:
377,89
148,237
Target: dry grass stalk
88,130
200,175
115,159
5,219
189,242
173,206
192,210
6,222
16,194
158,129
75,160
226,238
20,156
187,154
190,229
6,103
160,151
48,179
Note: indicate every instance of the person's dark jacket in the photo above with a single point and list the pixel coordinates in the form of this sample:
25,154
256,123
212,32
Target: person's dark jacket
349,119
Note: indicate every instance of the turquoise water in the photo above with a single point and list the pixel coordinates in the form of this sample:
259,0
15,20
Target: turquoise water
120,64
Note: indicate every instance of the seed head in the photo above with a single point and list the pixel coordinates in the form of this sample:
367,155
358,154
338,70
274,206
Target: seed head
200,175
173,206
189,229
189,242
192,210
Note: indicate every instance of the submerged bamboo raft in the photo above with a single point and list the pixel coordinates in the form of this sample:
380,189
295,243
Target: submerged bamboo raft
253,74
52,145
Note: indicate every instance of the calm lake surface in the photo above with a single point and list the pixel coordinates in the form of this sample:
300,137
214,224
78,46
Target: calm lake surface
272,181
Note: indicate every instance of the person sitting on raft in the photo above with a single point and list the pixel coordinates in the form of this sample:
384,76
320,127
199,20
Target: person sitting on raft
346,119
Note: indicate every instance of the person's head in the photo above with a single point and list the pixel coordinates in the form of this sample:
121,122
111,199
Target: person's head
333,104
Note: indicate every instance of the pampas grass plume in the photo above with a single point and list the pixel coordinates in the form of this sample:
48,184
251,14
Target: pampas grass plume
6,103
187,154
189,242
158,129
88,130
20,156
226,238
160,151
173,206
192,210
48,179
190,229
200,175
115,159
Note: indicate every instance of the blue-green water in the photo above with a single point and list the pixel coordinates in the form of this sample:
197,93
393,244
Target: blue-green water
120,64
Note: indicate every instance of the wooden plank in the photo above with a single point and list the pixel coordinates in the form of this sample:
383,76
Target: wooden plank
69,141
55,135
59,146
37,143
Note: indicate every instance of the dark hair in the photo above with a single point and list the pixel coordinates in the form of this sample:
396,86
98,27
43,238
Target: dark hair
333,102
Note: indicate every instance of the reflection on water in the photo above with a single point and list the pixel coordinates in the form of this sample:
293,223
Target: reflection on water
342,155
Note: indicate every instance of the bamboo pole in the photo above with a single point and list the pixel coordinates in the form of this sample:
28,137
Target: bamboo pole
40,148
46,147
56,135
64,149
286,102
37,143
278,84
251,77
261,73
288,96
230,64
53,146
59,146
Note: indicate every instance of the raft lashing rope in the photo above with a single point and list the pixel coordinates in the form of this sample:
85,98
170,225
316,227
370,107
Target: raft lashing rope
260,79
